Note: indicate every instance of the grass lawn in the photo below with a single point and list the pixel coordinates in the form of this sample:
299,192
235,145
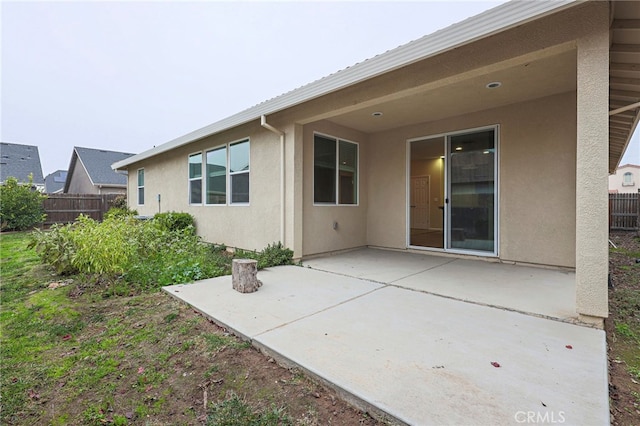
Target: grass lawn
623,329
75,352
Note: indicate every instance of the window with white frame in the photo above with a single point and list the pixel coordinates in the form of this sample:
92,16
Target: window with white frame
217,176
141,187
195,178
239,171
226,175
335,171
627,179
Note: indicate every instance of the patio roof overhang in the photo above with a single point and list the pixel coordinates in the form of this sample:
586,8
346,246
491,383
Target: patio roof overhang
530,75
624,78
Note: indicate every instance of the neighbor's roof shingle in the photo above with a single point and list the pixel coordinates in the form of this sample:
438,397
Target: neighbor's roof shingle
98,163
20,161
54,182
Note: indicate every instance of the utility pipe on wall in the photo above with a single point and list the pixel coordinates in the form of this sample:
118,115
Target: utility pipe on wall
263,123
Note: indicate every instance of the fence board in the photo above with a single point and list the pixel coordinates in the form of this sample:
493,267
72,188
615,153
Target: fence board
65,208
624,211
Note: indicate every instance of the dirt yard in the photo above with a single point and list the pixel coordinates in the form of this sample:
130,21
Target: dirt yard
623,329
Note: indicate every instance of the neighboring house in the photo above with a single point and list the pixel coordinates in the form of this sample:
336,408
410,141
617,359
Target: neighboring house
20,161
626,179
90,172
54,182
491,138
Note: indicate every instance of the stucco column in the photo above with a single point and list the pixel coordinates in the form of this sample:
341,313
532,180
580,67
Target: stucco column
592,155
293,188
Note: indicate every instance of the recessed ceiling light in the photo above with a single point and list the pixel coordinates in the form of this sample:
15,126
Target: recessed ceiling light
494,85
377,114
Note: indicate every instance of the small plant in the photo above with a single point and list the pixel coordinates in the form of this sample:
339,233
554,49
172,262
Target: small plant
173,221
234,411
275,255
20,205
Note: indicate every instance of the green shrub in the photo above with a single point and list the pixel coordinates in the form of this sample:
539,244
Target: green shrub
55,247
272,255
174,221
20,205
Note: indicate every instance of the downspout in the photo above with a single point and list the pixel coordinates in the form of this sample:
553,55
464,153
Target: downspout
263,123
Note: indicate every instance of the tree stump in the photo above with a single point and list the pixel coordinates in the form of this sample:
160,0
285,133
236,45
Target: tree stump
244,275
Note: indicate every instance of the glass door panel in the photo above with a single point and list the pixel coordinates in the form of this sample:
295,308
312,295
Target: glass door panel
472,191
426,193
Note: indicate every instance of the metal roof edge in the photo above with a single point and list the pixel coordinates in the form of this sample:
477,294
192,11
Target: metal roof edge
492,21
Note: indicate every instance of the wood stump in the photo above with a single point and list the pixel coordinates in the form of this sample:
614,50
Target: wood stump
244,275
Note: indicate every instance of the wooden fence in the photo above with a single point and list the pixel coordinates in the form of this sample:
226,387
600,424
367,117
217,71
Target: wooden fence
65,208
624,212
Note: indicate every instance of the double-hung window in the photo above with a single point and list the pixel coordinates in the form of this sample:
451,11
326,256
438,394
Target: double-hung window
141,187
195,178
226,172
335,171
239,171
627,179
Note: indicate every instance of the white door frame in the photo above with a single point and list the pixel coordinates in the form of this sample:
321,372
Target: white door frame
447,159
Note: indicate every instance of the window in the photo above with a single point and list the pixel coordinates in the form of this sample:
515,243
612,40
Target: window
627,179
195,178
226,172
335,171
141,187
217,176
239,171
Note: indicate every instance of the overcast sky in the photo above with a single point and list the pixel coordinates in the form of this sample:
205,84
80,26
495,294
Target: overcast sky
126,76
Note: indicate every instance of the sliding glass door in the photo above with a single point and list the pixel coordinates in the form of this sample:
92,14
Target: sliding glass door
472,191
452,192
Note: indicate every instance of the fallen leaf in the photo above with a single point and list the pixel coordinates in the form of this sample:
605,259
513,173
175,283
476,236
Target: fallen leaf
569,347
148,388
66,337
495,364
33,394
140,370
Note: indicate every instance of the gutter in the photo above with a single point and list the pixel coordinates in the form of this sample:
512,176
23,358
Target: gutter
263,123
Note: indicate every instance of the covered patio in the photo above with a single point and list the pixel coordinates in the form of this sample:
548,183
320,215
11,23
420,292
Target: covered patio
422,339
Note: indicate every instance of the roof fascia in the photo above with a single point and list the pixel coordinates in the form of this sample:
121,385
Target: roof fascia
490,22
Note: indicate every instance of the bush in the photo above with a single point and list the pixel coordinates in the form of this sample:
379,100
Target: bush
174,221
272,255
20,205
55,247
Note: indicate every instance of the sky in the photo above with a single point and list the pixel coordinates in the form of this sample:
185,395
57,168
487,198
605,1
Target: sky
130,75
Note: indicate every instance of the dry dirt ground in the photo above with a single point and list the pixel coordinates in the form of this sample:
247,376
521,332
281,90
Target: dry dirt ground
623,329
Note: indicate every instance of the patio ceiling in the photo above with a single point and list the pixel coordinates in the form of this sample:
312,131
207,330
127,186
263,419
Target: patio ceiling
527,80
624,77
530,78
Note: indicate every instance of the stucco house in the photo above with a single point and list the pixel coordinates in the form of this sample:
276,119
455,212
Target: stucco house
625,180
90,172
492,138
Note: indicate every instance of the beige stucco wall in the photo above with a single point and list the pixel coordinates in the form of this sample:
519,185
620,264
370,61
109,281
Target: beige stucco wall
80,182
318,233
537,143
249,227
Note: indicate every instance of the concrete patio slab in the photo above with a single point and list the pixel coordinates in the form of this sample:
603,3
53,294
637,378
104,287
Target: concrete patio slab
385,266
539,291
427,360
287,295
545,292
420,358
